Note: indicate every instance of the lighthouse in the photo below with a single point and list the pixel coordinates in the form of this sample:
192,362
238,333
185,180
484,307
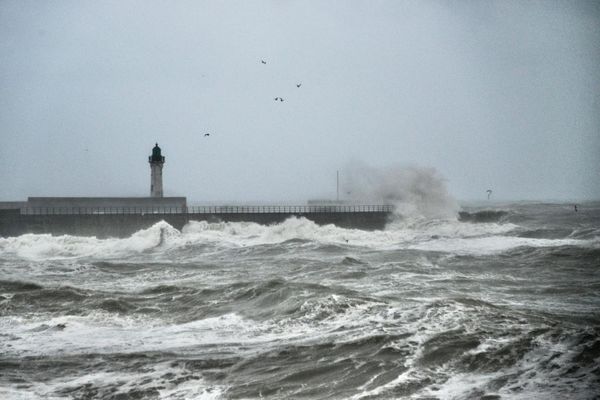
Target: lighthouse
156,161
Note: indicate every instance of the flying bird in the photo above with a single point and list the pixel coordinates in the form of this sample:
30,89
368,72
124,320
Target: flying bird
263,61
206,134
278,98
298,85
489,193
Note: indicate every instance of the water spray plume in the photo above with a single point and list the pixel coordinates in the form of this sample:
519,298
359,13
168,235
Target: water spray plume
416,192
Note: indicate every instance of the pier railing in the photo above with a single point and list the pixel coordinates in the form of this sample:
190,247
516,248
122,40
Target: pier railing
304,209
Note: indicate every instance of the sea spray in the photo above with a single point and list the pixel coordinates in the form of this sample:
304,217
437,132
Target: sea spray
416,192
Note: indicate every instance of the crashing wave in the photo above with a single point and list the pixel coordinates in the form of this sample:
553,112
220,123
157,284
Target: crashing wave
416,192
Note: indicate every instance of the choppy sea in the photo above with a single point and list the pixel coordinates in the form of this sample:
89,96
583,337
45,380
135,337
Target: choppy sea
503,303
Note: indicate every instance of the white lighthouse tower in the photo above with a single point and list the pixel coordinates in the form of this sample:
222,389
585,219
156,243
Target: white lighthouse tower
156,161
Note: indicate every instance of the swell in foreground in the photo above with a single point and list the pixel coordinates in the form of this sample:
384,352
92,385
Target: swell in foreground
502,304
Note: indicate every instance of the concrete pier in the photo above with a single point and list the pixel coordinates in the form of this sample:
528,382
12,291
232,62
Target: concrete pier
125,222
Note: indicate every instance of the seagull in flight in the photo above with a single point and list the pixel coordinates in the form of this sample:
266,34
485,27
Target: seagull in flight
278,98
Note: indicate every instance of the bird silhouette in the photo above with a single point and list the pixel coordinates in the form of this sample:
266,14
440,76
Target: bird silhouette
298,85
206,134
263,61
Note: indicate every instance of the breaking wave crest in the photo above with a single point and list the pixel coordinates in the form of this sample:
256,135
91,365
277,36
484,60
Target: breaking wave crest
436,235
48,247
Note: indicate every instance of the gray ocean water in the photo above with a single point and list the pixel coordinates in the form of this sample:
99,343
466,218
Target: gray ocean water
501,304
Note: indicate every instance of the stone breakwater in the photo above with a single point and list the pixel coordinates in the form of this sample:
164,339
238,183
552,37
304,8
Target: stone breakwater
122,224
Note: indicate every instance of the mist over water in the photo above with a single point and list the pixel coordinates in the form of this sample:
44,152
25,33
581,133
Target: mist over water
499,304
416,192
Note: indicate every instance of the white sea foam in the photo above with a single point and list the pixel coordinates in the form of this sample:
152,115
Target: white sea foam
395,237
121,383
102,332
48,247
528,378
434,235
493,244
39,392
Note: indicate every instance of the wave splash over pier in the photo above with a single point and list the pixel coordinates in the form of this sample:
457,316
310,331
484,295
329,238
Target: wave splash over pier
497,303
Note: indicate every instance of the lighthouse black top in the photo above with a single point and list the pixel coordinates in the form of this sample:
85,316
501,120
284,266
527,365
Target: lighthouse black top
156,156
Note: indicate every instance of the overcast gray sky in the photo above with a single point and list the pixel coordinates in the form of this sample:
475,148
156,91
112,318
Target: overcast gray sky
493,94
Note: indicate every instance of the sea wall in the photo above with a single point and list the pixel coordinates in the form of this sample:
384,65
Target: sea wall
12,205
13,223
107,225
104,202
